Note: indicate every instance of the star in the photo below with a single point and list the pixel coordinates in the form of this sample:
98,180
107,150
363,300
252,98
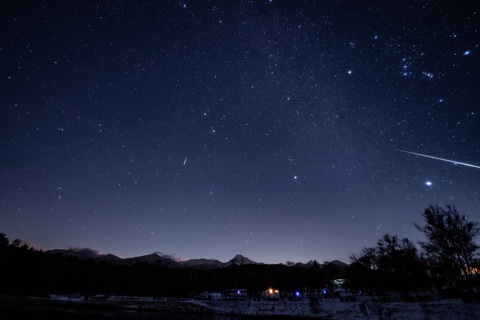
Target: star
245,94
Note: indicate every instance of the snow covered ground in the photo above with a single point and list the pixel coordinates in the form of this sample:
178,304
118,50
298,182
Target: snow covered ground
326,309
334,309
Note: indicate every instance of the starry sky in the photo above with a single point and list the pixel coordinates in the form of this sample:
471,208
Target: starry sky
205,129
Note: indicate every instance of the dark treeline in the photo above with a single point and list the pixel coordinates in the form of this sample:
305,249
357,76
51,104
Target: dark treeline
31,272
447,265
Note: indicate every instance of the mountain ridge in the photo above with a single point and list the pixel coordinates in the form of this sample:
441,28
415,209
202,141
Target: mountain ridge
163,260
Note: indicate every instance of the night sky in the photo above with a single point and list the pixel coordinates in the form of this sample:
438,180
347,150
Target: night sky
206,129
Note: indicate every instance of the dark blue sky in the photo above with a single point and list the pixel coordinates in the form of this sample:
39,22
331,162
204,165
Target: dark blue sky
205,129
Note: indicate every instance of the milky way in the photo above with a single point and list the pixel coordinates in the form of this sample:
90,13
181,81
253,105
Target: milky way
204,129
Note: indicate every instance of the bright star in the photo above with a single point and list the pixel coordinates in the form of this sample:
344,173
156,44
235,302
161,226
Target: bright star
428,183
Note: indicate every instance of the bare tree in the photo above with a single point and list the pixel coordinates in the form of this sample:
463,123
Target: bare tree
3,240
450,248
396,263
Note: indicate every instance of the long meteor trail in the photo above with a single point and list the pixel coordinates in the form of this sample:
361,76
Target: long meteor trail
441,159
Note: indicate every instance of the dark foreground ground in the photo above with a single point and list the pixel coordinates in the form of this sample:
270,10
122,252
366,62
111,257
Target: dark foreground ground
27,308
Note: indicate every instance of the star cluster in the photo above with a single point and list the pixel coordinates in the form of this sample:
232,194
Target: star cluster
211,128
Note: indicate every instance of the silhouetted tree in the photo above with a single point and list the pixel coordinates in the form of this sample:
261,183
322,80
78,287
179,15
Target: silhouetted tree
3,241
396,262
450,248
16,243
368,257
361,278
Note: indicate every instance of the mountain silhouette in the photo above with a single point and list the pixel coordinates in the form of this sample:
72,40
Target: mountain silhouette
168,261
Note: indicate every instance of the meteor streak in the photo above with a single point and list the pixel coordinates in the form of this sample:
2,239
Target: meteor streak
441,159
185,161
